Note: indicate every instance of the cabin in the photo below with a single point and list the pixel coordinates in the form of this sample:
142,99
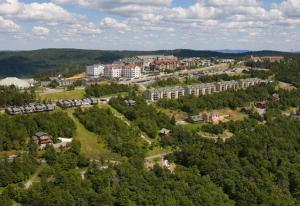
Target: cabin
195,118
130,102
261,105
42,139
211,117
164,131
295,117
275,97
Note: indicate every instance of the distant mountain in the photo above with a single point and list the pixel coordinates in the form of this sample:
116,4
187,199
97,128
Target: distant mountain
29,63
230,51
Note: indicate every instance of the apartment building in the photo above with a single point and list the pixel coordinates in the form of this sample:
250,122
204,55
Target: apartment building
113,70
131,71
122,70
95,71
200,89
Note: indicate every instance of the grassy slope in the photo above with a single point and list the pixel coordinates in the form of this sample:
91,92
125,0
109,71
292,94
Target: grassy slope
89,142
73,94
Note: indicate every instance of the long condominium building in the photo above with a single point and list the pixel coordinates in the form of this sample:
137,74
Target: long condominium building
155,94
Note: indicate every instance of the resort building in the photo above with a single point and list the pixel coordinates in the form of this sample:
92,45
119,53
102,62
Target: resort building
155,94
131,71
95,71
113,70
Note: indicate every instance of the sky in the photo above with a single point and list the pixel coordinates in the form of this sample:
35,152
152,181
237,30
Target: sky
150,24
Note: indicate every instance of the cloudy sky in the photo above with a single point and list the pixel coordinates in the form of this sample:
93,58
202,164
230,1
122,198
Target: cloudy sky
150,24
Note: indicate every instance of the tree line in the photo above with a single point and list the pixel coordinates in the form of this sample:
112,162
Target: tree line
12,96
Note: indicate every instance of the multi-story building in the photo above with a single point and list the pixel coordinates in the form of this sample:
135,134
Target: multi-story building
131,71
163,65
165,93
200,89
113,70
267,58
95,70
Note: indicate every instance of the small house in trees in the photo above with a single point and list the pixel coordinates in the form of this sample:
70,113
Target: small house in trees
42,139
275,97
295,117
195,118
261,105
164,131
212,117
130,102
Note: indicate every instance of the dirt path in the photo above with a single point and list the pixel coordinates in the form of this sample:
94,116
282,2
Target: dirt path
34,178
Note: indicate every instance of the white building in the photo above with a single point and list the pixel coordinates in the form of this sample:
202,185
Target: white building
95,70
131,71
155,94
113,70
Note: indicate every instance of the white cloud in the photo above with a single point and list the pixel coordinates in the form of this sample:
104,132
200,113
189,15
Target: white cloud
7,25
113,23
48,12
78,30
290,8
40,31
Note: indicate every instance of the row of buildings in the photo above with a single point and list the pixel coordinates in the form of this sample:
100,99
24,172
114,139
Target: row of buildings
134,67
155,94
77,102
34,108
30,108
267,58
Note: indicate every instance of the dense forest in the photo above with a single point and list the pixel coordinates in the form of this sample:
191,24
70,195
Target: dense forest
258,166
124,184
286,71
99,90
15,131
12,96
146,117
119,136
19,169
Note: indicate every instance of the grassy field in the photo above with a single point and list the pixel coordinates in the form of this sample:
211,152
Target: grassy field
89,142
73,94
234,115
286,86
193,127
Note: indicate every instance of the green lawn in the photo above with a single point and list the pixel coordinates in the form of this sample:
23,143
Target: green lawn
193,127
90,144
73,94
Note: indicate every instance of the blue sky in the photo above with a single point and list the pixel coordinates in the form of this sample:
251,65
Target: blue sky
150,24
